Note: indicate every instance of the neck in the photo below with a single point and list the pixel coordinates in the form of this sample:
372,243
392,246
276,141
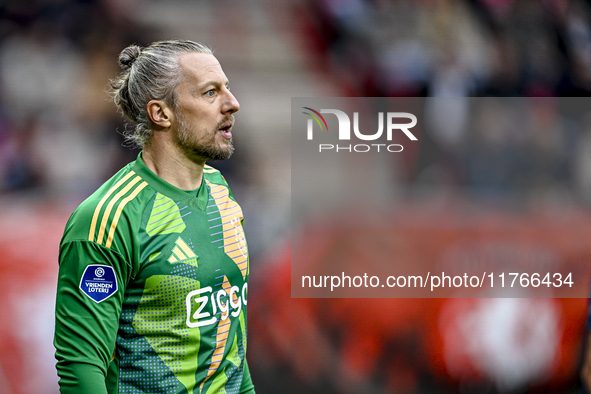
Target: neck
167,161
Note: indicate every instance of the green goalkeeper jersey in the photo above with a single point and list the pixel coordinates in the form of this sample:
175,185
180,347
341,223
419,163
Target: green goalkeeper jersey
152,289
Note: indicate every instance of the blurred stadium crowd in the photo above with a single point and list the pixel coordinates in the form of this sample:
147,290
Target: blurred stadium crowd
56,57
58,142
57,126
452,47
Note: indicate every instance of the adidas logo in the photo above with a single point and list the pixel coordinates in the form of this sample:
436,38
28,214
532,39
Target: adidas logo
182,253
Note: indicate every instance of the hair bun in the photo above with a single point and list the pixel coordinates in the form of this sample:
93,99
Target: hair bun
129,55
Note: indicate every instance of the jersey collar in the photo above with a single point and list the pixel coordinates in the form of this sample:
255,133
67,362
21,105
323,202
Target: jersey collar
165,188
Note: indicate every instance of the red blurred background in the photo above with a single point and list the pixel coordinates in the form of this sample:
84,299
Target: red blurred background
59,141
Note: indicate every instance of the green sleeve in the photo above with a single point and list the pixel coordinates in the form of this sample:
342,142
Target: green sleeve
247,387
85,331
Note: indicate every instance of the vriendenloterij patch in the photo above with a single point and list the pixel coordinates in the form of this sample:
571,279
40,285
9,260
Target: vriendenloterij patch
98,282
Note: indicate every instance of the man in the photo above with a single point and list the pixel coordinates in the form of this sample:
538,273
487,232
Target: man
153,275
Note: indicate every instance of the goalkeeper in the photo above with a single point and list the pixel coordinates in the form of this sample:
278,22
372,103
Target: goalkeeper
153,267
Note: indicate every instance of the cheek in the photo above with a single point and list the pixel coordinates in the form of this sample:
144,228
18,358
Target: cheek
198,125
202,120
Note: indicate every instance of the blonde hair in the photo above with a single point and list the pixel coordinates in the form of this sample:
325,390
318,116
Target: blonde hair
150,73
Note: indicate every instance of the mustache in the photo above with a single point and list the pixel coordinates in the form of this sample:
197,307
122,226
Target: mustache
229,118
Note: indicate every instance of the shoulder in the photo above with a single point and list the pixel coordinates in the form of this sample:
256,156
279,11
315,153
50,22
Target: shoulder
216,182
213,175
99,216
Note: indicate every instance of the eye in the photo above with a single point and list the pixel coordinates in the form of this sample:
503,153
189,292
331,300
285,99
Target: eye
210,93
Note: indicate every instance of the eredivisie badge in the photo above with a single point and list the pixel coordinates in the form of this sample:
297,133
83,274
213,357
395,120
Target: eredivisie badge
98,282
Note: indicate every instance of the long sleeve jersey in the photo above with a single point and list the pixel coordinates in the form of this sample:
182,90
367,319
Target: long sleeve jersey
152,289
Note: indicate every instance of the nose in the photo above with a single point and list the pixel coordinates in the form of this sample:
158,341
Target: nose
231,105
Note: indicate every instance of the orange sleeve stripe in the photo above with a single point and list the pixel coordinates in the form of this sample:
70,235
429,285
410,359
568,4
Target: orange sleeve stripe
122,205
103,200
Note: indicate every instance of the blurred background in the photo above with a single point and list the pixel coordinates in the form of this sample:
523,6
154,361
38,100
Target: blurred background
59,140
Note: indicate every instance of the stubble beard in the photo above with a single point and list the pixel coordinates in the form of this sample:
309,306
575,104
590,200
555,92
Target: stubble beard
202,147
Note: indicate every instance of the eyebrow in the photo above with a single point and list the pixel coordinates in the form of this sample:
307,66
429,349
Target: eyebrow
214,83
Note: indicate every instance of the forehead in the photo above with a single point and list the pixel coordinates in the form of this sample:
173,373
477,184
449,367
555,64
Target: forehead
201,68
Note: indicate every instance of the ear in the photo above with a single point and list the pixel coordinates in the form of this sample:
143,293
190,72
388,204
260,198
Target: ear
160,113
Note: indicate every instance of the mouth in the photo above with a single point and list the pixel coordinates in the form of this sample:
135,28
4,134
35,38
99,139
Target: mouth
226,129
